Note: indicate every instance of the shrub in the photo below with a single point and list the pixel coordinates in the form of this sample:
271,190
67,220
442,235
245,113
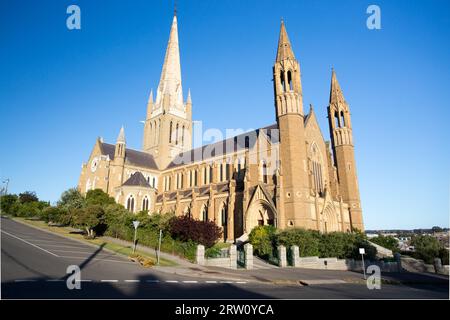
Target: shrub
187,229
7,203
30,209
262,238
444,255
306,240
52,214
336,244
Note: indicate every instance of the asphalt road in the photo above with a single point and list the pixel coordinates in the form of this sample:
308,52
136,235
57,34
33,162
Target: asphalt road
34,265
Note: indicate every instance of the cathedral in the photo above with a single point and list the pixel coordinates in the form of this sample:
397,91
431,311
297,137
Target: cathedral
284,174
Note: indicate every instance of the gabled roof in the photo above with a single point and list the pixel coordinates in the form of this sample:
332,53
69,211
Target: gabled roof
133,157
222,147
137,179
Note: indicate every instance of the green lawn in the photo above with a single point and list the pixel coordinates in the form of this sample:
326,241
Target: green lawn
119,249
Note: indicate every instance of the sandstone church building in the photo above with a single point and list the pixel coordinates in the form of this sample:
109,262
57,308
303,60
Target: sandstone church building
284,174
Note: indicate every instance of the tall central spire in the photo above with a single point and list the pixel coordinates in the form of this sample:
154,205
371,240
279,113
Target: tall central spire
284,45
336,95
170,82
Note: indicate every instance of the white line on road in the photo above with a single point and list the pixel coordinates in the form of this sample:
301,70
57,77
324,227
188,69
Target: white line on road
11,235
211,281
172,281
132,280
96,259
190,281
241,281
54,280
226,281
109,280
24,280
83,280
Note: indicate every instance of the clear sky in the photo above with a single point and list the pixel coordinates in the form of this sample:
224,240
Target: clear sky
61,89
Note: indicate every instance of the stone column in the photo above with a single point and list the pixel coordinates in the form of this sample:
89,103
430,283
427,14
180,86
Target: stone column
248,249
233,257
295,256
200,255
437,265
282,262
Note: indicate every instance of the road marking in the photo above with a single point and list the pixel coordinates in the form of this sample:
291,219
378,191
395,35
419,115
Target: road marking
172,281
241,281
96,259
11,235
24,280
211,281
109,280
152,281
226,281
54,280
190,281
132,280
86,280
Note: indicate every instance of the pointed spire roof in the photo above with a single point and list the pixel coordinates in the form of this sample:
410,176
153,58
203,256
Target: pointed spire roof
150,98
336,95
189,98
121,137
170,81
284,45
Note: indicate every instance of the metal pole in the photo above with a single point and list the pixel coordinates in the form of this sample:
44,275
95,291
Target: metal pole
159,245
135,234
364,268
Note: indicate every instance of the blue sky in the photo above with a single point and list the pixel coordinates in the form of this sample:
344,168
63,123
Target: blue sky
60,89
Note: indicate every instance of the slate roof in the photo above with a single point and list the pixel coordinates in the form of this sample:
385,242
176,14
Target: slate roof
133,157
223,147
137,179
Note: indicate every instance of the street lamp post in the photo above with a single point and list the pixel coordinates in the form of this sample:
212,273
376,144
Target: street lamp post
6,188
362,251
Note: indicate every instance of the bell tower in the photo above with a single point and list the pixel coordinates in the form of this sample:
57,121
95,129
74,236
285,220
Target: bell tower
343,150
168,125
290,119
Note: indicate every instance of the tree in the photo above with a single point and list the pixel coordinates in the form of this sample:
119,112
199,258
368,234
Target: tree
426,247
28,196
98,197
7,203
71,199
388,242
52,214
90,217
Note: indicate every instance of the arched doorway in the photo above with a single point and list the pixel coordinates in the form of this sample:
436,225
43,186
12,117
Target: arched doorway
331,223
259,213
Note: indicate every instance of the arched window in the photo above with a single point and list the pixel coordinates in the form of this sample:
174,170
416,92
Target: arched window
224,220
182,137
195,178
283,88
145,204
291,85
176,132
342,119
247,142
170,132
264,172
130,203
336,119
154,182
221,172
205,213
